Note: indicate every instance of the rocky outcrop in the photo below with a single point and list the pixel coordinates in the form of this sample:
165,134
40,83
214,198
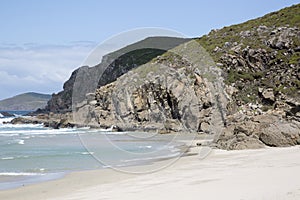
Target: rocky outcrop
183,90
51,120
62,101
6,114
166,95
270,129
261,62
23,120
112,66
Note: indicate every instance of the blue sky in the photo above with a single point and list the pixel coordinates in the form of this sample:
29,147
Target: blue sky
42,42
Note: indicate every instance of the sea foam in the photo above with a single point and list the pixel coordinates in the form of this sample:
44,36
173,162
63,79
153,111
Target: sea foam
20,174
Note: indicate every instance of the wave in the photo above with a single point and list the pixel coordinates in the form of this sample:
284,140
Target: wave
39,131
21,142
21,126
8,158
104,132
85,153
20,174
145,147
8,119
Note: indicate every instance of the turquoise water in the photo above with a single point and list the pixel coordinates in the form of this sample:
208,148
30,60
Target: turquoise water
32,153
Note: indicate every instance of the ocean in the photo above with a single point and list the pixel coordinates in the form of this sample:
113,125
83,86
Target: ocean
32,153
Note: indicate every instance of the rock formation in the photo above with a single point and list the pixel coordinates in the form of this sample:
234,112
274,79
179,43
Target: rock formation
240,83
261,62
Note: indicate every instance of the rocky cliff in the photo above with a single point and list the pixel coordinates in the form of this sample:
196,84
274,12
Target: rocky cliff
112,66
166,94
241,83
260,60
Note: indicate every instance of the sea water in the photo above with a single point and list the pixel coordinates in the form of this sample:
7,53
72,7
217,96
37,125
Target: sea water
32,153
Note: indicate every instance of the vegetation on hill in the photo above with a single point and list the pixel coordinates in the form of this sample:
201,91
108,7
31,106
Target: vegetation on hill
261,53
27,102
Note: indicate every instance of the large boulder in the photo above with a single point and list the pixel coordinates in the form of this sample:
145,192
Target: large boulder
269,129
281,134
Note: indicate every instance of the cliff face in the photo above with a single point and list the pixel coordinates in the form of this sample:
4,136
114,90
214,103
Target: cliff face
245,86
112,66
261,63
164,95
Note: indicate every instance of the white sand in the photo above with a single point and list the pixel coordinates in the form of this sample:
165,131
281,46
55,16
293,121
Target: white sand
272,173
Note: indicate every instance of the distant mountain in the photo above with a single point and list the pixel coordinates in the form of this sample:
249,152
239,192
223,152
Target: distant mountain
27,101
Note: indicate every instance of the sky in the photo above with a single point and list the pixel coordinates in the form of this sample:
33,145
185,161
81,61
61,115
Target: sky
42,42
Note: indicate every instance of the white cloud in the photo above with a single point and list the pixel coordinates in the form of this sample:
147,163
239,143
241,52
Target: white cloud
40,68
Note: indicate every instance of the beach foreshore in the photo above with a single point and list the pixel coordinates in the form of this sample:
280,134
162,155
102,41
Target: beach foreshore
269,173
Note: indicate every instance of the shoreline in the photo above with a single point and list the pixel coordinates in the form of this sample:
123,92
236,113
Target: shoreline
16,182
11,182
269,173
81,180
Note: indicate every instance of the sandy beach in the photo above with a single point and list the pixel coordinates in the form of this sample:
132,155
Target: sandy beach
270,173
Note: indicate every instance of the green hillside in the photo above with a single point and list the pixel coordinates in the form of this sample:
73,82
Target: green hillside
27,101
260,54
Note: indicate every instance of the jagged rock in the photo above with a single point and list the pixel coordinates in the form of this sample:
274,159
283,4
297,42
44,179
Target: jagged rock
246,33
239,142
217,49
231,90
258,131
6,114
22,120
262,29
227,44
65,123
93,103
205,127
282,38
173,125
268,94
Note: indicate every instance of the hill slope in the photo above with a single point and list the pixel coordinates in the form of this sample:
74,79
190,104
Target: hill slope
27,101
260,54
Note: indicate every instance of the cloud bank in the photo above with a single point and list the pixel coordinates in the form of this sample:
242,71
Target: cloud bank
39,68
